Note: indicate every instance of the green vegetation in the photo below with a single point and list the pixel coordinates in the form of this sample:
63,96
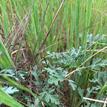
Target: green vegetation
53,53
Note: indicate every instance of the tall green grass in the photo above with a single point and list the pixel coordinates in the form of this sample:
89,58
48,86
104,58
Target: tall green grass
75,18
51,25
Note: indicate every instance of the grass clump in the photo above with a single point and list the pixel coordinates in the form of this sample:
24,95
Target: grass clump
53,53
